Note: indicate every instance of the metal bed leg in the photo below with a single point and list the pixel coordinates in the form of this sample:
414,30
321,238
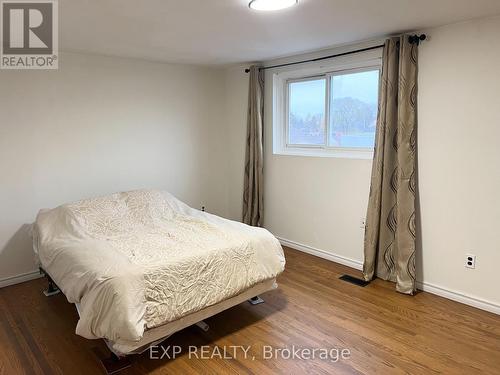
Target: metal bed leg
52,289
256,300
115,364
203,326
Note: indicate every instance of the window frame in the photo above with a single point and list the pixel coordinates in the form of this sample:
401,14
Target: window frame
370,61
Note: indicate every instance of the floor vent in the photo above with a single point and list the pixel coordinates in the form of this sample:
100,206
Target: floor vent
354,280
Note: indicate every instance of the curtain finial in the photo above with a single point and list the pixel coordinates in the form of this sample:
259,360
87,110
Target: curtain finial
416,39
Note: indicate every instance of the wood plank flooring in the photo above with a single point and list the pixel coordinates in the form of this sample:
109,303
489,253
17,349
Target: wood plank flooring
385,332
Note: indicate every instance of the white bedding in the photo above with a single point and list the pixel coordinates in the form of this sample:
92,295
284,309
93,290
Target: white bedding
140,259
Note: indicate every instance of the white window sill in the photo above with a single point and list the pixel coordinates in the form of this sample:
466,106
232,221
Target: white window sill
363,154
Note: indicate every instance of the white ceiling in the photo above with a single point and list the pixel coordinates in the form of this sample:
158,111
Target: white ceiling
216,32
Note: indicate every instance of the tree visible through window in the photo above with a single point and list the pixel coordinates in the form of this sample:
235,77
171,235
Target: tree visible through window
353,109
346,120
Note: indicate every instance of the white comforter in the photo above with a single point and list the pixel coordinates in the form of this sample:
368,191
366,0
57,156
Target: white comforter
140,259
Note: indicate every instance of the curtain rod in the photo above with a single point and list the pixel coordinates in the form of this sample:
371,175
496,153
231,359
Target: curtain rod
413,39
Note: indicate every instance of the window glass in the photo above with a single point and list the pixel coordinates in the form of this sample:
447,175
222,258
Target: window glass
306,117
353,109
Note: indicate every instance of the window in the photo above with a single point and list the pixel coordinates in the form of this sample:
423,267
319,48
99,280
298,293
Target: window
327,111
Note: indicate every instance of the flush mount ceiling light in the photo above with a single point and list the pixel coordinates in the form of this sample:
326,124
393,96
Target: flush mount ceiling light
271,4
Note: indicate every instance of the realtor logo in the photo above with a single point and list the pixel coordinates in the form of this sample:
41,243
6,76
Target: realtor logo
29,34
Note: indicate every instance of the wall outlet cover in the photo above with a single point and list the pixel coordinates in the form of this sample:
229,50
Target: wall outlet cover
470,261
362,223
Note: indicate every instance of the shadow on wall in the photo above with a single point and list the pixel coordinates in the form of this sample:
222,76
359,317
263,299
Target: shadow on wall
16,252
419,256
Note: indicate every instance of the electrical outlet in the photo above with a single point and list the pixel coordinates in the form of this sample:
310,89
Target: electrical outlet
470,261
362,223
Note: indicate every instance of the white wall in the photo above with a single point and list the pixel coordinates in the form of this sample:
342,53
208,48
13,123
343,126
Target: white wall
100,125
459,157
236,98
318,202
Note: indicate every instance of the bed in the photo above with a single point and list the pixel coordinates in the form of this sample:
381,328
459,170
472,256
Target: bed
141,265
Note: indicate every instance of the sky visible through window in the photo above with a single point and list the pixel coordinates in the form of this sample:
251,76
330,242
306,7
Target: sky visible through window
353,110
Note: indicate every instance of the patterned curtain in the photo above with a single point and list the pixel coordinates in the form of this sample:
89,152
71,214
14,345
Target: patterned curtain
253,213
390,231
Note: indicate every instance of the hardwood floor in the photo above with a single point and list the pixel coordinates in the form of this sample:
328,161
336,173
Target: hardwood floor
385,332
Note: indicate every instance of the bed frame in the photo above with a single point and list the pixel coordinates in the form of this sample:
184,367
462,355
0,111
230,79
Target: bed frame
119,361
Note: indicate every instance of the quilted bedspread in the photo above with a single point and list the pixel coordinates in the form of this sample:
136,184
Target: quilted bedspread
140,259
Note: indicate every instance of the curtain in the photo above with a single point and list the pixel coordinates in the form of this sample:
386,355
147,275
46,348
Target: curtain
389,244
254,158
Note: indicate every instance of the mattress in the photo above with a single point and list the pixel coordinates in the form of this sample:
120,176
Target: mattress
137,260
158,334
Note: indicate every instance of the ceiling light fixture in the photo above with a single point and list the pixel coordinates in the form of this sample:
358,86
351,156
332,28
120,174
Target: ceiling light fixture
271,4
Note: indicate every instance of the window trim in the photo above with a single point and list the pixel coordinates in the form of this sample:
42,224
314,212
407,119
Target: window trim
367,62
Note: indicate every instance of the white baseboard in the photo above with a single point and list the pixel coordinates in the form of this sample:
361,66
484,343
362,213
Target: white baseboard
424,286
459,297
20,278
356,264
